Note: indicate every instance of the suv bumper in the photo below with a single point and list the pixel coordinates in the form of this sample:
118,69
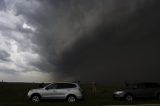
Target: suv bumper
118,96
80,97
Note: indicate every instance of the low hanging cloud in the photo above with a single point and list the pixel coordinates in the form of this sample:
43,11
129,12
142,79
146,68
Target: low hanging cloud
4,55
91,40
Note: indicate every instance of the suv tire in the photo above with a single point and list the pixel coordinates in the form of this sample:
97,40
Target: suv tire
71,99
129,97
35,98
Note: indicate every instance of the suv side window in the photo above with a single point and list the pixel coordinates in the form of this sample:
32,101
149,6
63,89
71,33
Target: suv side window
141,86
152,85
60,86
65,85
71,86
52,86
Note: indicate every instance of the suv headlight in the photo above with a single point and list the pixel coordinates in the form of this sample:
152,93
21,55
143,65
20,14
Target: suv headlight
119,92
29,92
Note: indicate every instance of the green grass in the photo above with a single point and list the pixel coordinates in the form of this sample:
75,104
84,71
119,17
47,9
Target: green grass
15,94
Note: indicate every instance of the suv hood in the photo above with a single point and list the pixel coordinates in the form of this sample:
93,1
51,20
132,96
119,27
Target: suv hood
36,89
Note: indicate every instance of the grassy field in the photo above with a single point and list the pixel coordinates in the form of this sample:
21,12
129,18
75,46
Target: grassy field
15,94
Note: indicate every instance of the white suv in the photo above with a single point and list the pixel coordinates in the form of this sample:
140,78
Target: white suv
69,91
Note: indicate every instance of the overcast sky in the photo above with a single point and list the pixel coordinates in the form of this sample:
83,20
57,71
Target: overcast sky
86,40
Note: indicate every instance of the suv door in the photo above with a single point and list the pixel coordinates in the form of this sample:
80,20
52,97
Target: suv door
139,90
146,90
152,89
61,90
49,91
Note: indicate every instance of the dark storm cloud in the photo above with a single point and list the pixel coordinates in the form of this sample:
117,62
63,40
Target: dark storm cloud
126,49
107,40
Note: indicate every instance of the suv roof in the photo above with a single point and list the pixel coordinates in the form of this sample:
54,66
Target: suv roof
144,84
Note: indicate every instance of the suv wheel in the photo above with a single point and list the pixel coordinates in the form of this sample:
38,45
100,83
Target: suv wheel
71,99
35,98
129,97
